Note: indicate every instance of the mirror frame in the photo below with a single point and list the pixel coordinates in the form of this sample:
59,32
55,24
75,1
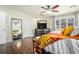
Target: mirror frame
21,26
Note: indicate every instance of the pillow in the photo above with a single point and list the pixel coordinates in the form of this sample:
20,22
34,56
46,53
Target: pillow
44,40
63,31
67,31
75,32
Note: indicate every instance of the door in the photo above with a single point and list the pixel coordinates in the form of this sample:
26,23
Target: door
2,28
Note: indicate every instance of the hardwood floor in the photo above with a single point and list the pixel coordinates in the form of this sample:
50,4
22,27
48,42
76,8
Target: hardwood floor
22,46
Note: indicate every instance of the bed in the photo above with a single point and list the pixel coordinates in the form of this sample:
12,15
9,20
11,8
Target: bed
64,46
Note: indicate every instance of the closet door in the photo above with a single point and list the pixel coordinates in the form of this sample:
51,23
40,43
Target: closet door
2,28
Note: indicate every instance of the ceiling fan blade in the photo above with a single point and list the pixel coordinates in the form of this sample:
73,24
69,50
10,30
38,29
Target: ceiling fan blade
42,11
55,11
48,6
44,8
56,6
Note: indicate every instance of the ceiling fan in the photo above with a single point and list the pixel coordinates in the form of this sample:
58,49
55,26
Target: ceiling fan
50,8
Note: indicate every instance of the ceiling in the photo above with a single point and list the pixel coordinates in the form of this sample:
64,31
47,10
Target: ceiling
36,9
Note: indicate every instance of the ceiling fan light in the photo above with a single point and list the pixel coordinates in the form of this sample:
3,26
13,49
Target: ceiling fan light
49,12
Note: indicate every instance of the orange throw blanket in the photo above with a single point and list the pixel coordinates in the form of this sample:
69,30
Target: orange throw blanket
63,36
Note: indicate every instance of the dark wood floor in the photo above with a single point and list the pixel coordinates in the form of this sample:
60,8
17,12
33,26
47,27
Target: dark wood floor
22,46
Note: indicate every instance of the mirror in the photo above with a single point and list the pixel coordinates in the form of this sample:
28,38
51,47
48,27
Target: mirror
16,28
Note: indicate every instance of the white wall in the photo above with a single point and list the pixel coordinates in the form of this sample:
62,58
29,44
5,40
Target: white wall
65,16
26,22
2,27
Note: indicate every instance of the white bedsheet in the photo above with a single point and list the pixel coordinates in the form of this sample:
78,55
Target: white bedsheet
65,46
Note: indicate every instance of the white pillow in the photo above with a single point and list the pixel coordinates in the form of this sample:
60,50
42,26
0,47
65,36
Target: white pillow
75,32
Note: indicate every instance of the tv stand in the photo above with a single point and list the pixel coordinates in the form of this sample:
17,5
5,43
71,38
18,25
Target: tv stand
39,32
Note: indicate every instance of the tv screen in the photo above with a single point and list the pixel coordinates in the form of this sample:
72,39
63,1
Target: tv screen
42,25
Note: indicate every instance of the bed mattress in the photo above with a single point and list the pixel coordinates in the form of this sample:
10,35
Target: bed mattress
65,46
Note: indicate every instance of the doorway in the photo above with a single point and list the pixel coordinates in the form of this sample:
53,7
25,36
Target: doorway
16,28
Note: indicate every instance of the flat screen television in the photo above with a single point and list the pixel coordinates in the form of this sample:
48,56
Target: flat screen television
42,25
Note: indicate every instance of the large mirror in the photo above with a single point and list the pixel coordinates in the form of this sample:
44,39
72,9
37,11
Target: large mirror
16,28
